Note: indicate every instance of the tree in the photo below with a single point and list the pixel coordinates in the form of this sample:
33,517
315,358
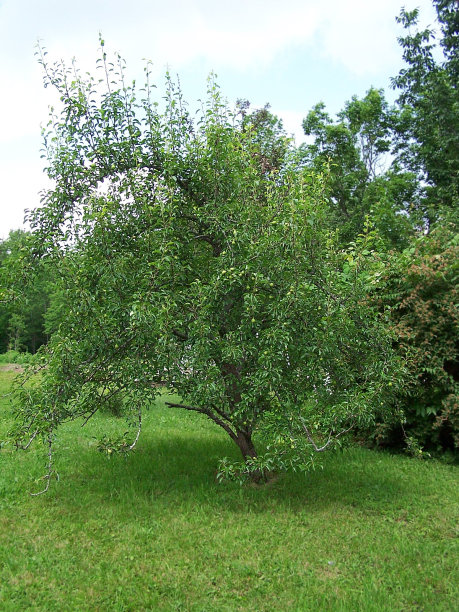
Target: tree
267,131
363,181
397,164
22,310
428,136
186,262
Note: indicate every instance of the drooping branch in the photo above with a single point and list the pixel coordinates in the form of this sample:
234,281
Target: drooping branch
331,437
209,414
50,471
32,438
138,431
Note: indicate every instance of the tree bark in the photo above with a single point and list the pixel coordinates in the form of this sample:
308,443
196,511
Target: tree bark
246,446
244,441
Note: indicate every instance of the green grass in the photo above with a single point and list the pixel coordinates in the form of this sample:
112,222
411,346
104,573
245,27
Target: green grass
155,531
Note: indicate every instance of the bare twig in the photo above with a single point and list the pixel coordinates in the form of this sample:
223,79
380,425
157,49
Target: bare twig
138,431
331,437
90,415
47,476
34,435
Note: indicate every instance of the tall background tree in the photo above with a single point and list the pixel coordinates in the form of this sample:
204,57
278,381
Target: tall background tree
398,166
428,138
364,180
22,306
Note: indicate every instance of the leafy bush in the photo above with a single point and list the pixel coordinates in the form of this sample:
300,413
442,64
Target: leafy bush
15,357
420,286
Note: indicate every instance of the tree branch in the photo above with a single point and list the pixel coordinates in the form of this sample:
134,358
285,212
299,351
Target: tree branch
180,335
208,414
138,431
48,475
331,437
22,447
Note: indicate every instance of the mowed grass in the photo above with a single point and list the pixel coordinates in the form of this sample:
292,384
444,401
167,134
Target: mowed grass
155,531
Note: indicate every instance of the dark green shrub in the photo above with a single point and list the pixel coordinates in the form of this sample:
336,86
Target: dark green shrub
15,357
112,403
420,286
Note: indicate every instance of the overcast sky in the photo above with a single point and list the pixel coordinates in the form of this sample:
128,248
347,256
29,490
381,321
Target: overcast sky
290,53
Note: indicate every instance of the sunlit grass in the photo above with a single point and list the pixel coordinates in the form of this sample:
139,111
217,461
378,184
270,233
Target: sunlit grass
155,531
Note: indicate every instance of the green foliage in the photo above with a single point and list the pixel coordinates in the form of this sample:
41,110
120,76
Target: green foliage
16,357
112,402
385,160
24,295
428,141
186,259
362,182
109,445
399,166
267,132
421,288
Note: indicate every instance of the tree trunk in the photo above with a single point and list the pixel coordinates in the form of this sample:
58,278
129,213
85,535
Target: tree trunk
247,448
244,441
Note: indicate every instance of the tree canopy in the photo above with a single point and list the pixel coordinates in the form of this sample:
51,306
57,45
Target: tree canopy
188,261
364,179
23,306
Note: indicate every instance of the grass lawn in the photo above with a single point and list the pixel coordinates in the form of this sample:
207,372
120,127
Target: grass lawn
154,531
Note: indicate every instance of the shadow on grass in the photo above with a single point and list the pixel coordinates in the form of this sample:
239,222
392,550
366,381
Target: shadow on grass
176,462
181,470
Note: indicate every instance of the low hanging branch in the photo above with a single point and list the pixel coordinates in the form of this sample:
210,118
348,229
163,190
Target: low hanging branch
32,438
209,414
138,431
331,437
50,472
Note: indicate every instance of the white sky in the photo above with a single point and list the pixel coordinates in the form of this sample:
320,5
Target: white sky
290,53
